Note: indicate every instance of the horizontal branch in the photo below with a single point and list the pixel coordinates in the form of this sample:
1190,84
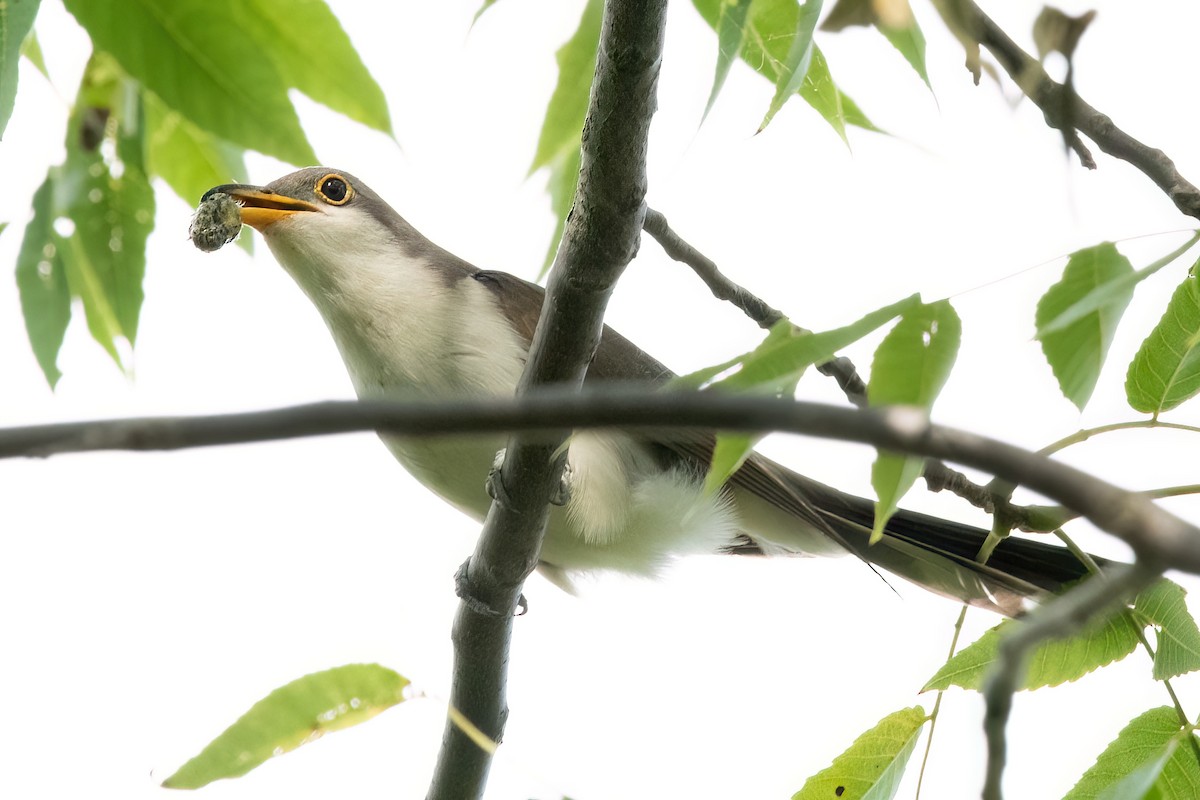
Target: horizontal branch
1158,537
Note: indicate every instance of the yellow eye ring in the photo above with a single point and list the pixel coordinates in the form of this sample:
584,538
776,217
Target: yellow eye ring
334,189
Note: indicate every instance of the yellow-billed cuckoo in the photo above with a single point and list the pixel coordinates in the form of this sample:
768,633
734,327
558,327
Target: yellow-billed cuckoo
413,321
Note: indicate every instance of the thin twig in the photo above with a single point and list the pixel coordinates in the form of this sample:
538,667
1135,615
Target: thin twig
1063,109
938,476
1061,617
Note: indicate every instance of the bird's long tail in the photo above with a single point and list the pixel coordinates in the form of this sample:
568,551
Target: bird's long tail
936,554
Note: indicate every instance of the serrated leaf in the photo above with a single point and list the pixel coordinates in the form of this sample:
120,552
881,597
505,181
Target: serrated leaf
199,59
731,32
42,283
1166,370
1055,662
16,21
292,715
562,128
1178,648
1077,351
1153,742
765,48
871,768
780,359
910,42
910,367
1105,293
795,66
314,55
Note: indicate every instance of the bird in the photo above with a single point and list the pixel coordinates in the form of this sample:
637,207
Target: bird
414,322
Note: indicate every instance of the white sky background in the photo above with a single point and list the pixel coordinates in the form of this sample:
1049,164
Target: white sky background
150,599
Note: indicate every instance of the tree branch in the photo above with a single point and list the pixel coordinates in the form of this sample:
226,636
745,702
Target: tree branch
1157,536
938,476
600,238
1059,618
1063,108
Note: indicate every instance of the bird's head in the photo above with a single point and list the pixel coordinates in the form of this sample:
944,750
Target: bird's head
326,227
311,197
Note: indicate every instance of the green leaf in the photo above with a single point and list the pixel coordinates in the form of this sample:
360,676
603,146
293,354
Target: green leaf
42,283
871,768
314,54
910,367
1055,662
795,65
1077,351
1178,647
781,358
33,51
731,32
16,21
200,58
562,129
1145,757
112,212
292,715
732,449
768,39
909,40
1104,294
729,453
482,9
892,475
1166,370
190,160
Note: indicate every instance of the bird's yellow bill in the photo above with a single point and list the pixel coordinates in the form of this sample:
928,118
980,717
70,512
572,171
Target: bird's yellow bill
261,208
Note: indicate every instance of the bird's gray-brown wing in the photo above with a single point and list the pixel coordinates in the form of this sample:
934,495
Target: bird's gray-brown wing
935,553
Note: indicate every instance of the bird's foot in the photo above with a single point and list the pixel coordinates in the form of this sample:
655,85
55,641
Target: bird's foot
494,484
562,493
560,496
466,593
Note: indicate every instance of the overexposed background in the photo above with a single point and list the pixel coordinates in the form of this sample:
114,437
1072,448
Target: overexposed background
149,599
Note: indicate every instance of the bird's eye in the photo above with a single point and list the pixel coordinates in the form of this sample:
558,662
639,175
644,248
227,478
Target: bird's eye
334,189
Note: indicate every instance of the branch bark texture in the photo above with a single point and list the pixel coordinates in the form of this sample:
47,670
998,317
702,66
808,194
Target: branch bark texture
1158,537
600,238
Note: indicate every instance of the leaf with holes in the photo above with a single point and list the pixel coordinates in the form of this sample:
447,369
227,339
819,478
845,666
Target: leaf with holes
910,367
780,358
293,715
871,768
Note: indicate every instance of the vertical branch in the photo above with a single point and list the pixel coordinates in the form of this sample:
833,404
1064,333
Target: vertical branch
600,239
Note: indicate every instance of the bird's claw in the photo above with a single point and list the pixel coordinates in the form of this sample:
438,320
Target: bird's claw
560,496
466,593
